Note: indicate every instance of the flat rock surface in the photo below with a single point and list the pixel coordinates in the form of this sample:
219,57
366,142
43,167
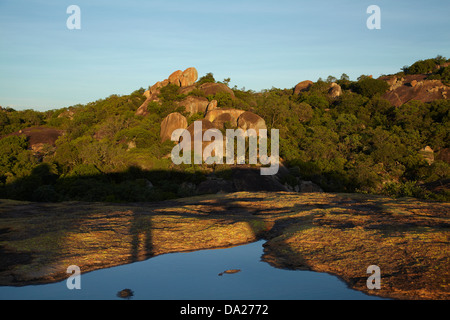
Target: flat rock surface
341,234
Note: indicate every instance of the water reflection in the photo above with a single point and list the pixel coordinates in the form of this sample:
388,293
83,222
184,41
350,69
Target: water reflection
195,275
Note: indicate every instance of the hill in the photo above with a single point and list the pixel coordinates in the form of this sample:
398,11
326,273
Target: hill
381,136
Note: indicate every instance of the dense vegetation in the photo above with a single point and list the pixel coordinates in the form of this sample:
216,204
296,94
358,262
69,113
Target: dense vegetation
433,67
357,142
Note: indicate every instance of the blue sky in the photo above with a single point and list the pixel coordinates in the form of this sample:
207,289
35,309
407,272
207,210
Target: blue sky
125,45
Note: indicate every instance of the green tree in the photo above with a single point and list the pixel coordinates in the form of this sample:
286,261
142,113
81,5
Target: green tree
207,78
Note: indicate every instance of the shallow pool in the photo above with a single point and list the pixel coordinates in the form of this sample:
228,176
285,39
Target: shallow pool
195,276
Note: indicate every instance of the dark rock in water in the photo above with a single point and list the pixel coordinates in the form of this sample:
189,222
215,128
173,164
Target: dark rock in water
125,294
231,271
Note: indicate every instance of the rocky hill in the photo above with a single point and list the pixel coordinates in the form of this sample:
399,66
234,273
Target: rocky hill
387,135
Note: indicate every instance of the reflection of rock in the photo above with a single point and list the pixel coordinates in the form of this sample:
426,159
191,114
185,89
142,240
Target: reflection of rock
125,294
170,123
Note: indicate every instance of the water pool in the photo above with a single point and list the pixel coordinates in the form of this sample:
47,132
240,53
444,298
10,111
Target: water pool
195,276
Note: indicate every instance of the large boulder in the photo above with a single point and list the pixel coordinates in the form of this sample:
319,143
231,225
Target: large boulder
224,121
250,120
219,116
184,78
39,137
335,90
214,88
194,104
428,154
188,77
414,87
303,86
206,125
170,123
175,78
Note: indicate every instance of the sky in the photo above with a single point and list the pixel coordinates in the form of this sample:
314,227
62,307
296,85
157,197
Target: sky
125,45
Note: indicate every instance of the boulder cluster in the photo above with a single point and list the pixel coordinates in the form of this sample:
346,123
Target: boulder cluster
334,90
213,116
414,87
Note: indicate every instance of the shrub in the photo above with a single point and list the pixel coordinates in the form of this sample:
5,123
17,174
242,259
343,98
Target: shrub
208,78
369,87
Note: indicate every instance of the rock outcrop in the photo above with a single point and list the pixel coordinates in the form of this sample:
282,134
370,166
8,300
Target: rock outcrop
206,125
39,137
214,88
188,77
220,116
184,78
180,78
250,120
175,78
170,123
335,90
303,86
414,87
194,104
